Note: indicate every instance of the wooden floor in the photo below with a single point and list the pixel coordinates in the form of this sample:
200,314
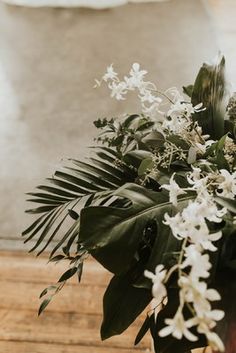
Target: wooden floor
71,322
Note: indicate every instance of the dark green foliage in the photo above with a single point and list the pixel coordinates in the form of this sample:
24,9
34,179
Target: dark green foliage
143,329
74,188
68,274
108,206
118,231
122,303
210,89
124,135
215,154
188,90
44,305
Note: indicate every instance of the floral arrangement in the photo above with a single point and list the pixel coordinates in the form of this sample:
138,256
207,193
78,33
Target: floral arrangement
155,205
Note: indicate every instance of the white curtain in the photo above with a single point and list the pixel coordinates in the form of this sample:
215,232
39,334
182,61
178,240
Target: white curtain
96,4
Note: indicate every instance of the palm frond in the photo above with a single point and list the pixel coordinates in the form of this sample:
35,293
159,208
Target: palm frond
77,185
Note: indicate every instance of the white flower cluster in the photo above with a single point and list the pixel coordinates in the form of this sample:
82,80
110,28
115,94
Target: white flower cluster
222,182
180,113
151,98
135,81
190,226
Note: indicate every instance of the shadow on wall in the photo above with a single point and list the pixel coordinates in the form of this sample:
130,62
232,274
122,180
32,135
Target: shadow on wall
49,59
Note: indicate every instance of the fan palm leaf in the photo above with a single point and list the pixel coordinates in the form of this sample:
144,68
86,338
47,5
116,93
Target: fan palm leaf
59,201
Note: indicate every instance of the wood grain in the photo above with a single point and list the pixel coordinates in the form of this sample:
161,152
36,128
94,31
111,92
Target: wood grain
34,347
70,324
23,267
70,328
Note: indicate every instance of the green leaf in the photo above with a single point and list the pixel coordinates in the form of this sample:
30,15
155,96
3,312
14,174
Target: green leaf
71,232
80,271
178,141
215,153
44,305
116,233
154,139
83,186
42,209
57,258
210,89
143,330
228,203
131,118
100,177
46,290
70,187
145,165
57,191
47,196
188,90
112,169
74,215
135,158
33,225
122,303
37,227
57,213
68,274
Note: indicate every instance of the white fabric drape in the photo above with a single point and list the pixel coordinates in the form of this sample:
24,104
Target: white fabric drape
96,4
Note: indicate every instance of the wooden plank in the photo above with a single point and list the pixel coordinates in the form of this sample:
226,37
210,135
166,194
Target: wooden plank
78,298
73,319
23,267
35,347
61,328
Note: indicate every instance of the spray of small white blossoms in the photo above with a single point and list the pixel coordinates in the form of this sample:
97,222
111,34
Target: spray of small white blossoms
150,97
190,226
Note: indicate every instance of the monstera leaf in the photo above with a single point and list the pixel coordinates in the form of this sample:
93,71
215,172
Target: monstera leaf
116,238
113,235
210,89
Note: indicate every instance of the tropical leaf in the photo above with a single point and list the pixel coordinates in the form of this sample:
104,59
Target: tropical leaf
228,203
210,89
143,329
117,233
77,185
122,303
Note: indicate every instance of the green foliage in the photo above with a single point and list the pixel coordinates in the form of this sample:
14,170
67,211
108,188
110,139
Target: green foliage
188,90
215,154
75,187
210,89
122,303
112,207
124,135
118,231
43,305
144,329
